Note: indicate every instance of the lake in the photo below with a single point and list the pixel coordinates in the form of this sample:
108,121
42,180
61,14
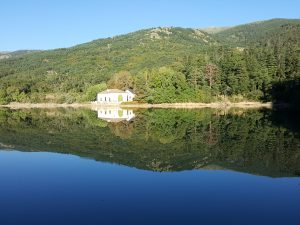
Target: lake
156,166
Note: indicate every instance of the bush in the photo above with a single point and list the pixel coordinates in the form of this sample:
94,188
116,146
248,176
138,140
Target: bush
91,92
3,99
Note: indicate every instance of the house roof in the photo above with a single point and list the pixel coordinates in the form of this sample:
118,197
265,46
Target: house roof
108,91
112,91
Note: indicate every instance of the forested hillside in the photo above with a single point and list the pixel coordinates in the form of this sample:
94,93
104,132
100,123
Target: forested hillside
7,55
254,33
162,65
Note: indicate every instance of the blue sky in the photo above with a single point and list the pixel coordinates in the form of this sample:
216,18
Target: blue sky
47,24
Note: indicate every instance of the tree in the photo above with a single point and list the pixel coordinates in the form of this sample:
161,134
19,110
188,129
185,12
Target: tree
193,70
271,65
91,92
211,71
122,80
167,85
234,75
3,99
141,84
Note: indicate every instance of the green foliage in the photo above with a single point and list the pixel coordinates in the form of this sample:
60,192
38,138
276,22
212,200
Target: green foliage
161,65
92,91
253,33
122,80
235,79
165,85
3,99
287,92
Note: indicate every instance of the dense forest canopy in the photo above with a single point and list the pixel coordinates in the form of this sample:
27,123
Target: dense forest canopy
163,65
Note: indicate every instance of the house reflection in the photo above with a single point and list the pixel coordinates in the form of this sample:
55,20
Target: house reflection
115,114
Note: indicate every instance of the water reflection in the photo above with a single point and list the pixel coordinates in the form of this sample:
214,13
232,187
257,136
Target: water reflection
161,139
115,114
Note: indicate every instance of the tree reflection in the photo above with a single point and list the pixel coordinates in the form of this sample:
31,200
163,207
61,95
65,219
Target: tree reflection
162,140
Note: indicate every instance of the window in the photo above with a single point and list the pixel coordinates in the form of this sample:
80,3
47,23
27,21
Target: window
120,98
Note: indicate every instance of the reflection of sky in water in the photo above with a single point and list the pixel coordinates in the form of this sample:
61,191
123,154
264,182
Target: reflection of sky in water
195,152
48,188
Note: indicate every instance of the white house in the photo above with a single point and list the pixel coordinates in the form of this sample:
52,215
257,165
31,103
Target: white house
115,114
114,96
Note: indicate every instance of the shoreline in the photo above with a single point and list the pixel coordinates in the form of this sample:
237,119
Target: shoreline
216,105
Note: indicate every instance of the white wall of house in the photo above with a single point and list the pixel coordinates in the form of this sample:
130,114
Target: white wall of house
115,98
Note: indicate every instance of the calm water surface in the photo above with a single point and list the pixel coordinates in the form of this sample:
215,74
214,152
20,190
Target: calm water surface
115,166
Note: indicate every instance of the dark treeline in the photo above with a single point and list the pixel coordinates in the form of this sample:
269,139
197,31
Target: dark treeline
163,65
